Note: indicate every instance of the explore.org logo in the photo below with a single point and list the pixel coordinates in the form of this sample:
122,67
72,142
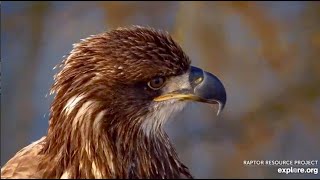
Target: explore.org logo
294,170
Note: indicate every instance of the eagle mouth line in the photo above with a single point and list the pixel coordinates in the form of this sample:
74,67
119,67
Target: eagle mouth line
185,97
191,97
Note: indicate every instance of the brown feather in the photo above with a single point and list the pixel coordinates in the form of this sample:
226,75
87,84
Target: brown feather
99,135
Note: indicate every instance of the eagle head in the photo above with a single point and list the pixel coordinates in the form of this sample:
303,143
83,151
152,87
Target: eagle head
114,92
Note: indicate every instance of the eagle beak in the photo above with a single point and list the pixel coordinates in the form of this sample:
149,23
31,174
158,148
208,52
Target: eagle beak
205,87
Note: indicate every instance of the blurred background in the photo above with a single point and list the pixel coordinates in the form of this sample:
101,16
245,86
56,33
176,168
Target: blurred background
267,54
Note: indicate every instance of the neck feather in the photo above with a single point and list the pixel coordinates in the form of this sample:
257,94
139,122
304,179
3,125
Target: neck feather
82,142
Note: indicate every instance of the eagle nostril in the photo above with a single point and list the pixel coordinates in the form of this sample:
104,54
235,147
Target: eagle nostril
198,81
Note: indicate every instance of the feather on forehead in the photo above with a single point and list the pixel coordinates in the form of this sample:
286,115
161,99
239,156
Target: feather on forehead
131,53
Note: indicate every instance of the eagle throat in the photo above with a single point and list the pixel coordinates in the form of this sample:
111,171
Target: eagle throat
87,145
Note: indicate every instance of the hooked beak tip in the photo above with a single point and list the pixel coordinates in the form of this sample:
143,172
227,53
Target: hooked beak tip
221,106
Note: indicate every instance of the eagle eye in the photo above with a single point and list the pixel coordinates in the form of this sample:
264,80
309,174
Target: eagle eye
156,83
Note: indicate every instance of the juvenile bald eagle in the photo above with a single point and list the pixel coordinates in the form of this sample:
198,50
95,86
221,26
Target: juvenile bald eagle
113,94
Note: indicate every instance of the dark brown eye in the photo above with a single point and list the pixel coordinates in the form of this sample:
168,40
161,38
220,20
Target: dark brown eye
156,83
